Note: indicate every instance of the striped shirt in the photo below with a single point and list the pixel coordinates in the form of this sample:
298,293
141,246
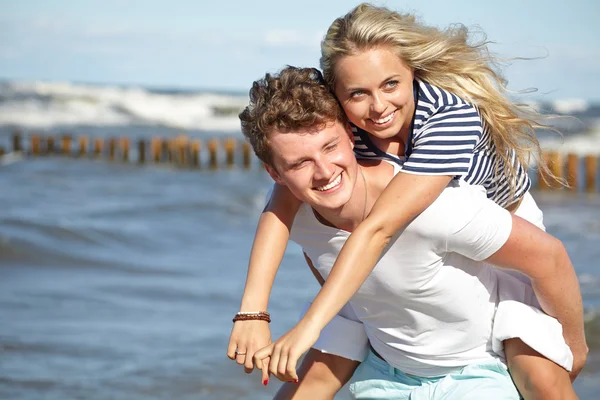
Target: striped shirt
449,137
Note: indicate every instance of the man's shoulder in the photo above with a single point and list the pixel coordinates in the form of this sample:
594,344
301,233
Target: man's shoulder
455,206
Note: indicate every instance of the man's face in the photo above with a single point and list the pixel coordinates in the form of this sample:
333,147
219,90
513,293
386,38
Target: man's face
317,166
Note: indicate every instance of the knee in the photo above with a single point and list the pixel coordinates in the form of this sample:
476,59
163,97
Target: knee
547,383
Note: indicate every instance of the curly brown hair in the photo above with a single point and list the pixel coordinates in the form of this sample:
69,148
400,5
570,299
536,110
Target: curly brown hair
294,100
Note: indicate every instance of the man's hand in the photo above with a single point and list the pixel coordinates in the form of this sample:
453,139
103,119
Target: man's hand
247,337
580,351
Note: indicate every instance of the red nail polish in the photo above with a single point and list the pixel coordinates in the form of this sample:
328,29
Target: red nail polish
265,382
296,381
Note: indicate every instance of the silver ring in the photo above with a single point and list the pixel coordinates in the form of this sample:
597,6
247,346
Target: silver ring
239,354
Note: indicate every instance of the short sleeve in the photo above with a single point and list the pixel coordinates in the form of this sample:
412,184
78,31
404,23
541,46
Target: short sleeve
479,226
344,336
444,145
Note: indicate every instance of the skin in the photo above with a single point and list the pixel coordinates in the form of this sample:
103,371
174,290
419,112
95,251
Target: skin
528,250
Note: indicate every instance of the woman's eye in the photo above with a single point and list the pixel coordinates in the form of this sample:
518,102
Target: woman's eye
391,84
331,148
356,94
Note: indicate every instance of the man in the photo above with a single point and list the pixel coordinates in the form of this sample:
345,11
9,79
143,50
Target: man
428,308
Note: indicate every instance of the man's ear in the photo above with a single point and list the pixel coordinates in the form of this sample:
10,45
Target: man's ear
350,133
274,174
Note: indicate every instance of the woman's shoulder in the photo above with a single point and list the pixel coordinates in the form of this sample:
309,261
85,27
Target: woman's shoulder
437,96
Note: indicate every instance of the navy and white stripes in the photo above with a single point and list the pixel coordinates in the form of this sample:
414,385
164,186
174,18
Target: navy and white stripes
450,138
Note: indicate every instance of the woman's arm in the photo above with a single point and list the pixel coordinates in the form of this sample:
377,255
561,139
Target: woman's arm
406,196
269,245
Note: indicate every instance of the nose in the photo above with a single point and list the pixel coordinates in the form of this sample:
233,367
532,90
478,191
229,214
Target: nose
323,169
377,105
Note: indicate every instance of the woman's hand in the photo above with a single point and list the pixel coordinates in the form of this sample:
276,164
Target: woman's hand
285,352
247,337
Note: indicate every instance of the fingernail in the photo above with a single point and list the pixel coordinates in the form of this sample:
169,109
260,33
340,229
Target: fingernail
265,382
296,381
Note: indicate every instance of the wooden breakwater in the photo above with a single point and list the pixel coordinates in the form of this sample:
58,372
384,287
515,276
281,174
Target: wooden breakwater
579,172
179,151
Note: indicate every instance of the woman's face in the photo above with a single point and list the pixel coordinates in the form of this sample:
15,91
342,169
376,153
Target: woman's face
375,88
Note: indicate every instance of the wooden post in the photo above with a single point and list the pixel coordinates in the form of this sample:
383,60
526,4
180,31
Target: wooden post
141,151
556,166
572,171
125,149
17,141
50,145
195,146
166,148
179,149
98,144
212,153
35,145
591,169
112,146
66,144
156,148
83,146
553,162
542,175
246,154
230,151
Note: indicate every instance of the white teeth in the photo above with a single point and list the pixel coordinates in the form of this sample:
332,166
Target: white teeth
331,185
384,120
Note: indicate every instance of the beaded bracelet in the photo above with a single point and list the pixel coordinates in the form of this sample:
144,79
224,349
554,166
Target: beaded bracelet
249,316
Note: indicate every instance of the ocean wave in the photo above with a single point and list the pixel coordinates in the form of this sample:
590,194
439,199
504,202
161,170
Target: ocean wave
46,105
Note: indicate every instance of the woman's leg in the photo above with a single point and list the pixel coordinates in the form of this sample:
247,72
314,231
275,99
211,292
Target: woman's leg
535,376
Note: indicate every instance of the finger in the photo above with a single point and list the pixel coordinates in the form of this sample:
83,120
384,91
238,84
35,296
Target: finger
291,367
265,371
231,349
282,366
249,364
261,354
274,362
240,356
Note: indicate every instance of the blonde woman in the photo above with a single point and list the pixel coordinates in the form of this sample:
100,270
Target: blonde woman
423,98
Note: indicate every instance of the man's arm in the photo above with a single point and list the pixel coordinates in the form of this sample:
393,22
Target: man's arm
544,259
321,377
267,252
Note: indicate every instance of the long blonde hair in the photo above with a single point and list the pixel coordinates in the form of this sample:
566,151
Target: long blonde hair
446,59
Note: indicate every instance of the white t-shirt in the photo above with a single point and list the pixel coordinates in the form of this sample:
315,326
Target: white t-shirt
428,306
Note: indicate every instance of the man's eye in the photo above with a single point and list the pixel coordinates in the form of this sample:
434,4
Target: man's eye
299,165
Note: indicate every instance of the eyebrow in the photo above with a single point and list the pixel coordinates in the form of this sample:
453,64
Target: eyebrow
389,78
292,163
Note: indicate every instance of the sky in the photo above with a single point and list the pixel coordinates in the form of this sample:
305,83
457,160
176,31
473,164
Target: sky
226,44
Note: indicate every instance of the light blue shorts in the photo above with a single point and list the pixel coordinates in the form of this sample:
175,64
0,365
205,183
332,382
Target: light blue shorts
377,380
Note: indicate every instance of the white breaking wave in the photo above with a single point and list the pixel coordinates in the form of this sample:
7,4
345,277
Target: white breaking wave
582,144
44,105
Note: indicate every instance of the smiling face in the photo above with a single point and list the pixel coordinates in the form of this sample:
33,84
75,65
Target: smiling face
375,88
317,166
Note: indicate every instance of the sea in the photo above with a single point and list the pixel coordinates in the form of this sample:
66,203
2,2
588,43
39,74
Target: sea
120,280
